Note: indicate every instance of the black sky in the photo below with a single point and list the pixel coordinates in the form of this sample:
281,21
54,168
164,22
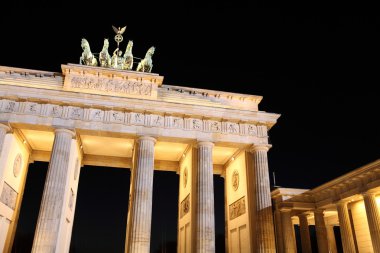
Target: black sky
315,63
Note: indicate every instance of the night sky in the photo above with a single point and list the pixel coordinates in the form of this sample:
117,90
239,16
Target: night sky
316,66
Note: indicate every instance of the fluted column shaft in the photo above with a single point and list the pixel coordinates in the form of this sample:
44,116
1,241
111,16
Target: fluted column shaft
3,131
141,204
288,232
265,239
45,238
331,239
305,234
205,232
345,228
373,217
321,232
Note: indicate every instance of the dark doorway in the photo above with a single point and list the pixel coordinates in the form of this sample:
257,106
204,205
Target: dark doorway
164,212
101,210
30,206
219,214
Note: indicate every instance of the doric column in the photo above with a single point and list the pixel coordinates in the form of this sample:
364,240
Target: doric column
305,234
47,229
205,220
373,218
288,231
3,131
345,228
320,229
140,208
331,239
265,240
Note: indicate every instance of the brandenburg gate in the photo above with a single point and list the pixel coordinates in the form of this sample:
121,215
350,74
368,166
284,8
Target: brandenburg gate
90,115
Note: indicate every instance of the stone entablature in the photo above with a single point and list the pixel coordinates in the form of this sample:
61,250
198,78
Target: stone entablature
137,101
209,97
131,84
132,118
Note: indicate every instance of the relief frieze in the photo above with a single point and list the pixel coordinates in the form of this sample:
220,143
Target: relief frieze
117,117
55,111
111,85
177,122
9,106
132,118
137,118
96,115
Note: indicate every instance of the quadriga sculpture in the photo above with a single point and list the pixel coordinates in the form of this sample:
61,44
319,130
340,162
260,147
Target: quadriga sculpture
128,56
87,57
104,56
146,64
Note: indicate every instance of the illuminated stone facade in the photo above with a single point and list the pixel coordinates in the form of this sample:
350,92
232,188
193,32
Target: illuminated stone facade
65,119
350,202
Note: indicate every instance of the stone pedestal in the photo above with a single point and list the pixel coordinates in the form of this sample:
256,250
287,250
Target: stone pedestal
345,228
331,239
288,231
265,240
205,220
51,211
320,229
141,194
373,217
305,234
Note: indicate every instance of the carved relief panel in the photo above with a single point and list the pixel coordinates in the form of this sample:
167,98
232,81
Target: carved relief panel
137,118
185,206
9,196
237,208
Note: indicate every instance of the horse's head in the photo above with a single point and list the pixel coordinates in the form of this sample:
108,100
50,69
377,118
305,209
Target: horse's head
85,45
150,52
130,45
106,44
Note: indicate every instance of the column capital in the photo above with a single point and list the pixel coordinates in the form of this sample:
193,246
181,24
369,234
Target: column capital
285,209
205,143
146,138
63,130
260,147
5,127
321,211
303,215
342,202
369,193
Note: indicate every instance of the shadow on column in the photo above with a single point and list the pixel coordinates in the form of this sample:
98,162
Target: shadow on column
30,206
